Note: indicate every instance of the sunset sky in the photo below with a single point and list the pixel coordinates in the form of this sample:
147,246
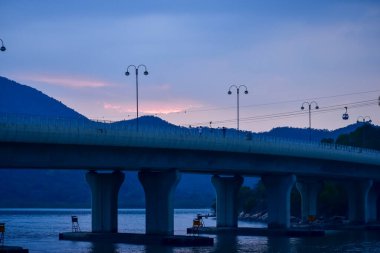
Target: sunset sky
285,52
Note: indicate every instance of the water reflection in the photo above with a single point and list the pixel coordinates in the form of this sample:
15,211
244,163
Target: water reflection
100,247
343,241
225,243
279,244
158,249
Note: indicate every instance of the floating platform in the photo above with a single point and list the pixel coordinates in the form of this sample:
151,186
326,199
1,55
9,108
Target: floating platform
291,232
12,249
133,238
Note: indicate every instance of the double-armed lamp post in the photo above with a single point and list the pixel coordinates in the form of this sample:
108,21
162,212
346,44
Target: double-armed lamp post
127,73
310,105
237,93
365,119
2,48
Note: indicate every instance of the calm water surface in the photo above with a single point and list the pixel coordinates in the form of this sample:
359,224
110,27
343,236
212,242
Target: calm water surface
37,230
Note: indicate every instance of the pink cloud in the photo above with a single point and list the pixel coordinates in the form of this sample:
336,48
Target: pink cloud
152,107
117,108
72,82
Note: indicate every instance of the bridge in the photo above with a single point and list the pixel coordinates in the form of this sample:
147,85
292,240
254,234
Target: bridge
161,154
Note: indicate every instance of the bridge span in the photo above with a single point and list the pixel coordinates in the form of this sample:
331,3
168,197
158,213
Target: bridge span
161,154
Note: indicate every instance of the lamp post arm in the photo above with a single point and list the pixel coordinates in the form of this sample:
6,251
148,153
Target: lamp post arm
142,65
243,86
367,119
233,86
304,103
360,118
131,66
314,103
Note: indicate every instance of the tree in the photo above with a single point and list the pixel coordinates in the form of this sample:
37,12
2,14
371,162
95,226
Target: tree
332,200
365,136
253,200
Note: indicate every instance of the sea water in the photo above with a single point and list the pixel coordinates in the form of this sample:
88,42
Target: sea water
38,229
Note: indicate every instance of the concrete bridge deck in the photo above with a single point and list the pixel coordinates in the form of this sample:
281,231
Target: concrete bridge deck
161,154
45,142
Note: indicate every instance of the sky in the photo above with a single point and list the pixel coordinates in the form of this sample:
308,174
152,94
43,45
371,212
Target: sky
284,52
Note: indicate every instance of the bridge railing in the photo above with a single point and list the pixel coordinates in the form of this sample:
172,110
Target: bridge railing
181,137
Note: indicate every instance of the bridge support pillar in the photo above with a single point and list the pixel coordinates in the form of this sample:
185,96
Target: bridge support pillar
159,189
309,190
278,192
227,189
373,196
104,190
358,208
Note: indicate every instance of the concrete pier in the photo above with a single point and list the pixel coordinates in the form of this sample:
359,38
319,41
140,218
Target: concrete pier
104,190
373,197
227,189
159,188
278,192
309,189
357,192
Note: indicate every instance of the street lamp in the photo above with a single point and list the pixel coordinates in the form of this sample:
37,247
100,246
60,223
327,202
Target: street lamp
237,93
137,88
366,119
2,48
310,104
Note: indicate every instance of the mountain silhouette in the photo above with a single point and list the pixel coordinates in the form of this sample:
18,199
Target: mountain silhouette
22,99
303,133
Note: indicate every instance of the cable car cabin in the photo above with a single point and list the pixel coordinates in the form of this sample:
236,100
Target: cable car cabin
345,115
